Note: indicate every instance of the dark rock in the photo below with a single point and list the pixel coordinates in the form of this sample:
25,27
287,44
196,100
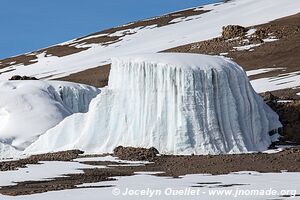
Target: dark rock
269,97
131,153
232,31
262,33
255,40
18,77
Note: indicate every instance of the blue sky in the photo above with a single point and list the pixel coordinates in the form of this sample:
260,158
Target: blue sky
27,25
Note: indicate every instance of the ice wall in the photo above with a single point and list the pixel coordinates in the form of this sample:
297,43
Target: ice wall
178,103
75,97
29,108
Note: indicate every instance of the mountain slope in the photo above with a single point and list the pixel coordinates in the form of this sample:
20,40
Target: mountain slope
146,36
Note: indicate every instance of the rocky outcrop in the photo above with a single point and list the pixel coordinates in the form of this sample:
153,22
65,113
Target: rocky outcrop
232,31
18,77
269,98
131,153
289,115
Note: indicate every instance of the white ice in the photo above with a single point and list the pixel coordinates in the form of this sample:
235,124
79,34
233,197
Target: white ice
29,108
178,103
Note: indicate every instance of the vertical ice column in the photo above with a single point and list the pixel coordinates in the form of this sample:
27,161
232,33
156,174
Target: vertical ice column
178,103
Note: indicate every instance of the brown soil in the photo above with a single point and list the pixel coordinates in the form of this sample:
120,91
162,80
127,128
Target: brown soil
287,94
171,165
61,50
26,59
224,164
97,77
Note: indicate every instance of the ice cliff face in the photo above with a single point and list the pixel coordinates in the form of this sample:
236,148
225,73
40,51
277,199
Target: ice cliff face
178,103
29,108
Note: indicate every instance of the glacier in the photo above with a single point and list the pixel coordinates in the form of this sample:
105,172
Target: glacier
177,103
29,108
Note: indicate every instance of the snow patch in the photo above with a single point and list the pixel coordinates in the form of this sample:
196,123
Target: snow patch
196,186
282,81
246,47
45,170
262,71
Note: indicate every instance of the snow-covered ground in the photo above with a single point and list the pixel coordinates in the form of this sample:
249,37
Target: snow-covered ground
272,83
241,185
145,185
177,103
110,159
262,71
238,185
282,81
47,170
152,39
29,108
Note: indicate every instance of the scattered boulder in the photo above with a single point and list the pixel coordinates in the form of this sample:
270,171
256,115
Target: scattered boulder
131,153
255,40
18,77
289,115
232,31
269,98
56,156
261,33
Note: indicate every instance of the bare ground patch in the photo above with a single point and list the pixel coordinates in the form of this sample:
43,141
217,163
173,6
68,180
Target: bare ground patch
171,165
97,77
